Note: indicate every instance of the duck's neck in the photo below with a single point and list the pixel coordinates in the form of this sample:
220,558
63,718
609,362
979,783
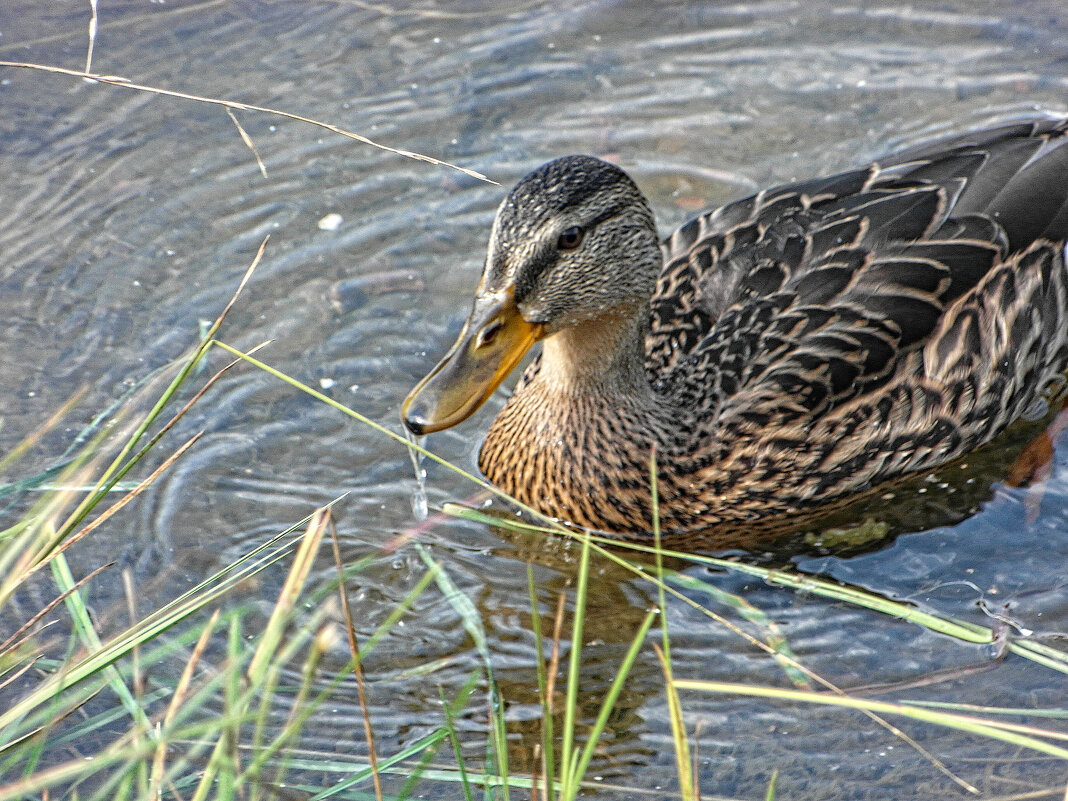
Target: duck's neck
575,439
604,357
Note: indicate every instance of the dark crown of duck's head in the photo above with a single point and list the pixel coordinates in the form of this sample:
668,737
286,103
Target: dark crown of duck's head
574,237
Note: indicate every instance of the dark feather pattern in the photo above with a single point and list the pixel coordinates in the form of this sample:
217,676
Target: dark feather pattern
806,344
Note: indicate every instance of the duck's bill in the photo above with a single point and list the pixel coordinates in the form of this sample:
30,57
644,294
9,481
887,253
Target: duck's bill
493,341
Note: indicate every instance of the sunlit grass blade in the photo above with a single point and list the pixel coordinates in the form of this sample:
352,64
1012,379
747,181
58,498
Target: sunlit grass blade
177,699
609,702
683,763
569,780
770,794
545,689
290,592
165,618
773,636
993,729
472,623
84,628
1054,714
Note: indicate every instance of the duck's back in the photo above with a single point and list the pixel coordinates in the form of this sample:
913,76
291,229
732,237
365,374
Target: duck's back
973,200
886,319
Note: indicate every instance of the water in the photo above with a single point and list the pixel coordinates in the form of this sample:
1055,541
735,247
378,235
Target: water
419,501
128,218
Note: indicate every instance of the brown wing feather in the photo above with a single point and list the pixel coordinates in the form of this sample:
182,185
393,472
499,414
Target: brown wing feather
778,316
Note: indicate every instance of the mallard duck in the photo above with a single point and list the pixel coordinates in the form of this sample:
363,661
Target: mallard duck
780,355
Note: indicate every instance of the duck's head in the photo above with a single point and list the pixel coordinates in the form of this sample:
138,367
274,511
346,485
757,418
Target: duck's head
573,242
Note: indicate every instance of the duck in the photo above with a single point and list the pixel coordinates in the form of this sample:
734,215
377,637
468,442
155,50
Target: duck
771,359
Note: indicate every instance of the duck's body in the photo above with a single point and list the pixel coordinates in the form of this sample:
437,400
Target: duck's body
780,354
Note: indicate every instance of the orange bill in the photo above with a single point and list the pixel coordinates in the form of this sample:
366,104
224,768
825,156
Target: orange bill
493,341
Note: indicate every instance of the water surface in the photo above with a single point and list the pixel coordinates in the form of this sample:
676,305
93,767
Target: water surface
127,219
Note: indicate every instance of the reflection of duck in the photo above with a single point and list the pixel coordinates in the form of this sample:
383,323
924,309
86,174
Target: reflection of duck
782,353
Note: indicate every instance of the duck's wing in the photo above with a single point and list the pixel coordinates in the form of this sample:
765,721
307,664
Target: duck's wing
938,264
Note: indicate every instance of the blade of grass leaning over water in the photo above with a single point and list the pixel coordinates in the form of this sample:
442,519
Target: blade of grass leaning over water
684,768
545,685
1037,652
472,623
357,665
993,729
609,701
111,80
40,540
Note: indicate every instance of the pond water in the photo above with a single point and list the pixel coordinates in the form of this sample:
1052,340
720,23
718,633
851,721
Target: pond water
128,218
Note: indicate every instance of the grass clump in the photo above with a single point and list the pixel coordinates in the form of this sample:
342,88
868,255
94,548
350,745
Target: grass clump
210,731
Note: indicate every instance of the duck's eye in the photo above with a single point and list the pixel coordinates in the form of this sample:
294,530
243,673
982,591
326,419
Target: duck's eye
570,238
488,334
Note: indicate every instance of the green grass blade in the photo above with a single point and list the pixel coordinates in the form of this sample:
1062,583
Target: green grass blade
472,623
568,777
450,710
548,740
987,728
612,696
770,794
84,627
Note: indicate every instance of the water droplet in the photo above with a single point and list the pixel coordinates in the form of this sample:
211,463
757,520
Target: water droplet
420,508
